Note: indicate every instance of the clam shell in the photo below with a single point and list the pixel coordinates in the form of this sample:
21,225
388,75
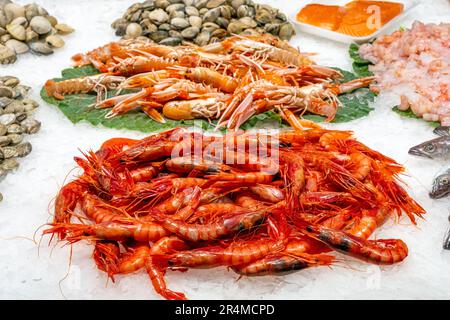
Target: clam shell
23,149
195,21
179,23
30,126
6,92
133,30
15,129
7,119
171,41
7,55
9,164
40,25
13,11
191,11
55,41
3,129
18,46
158,16
15,138
17,31
4,141
9,152
190,33
64,28
40,48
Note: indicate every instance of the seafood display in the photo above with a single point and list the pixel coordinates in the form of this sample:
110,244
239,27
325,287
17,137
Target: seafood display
28,27
15,122
226,82
261,203
413,64
354,19
200,22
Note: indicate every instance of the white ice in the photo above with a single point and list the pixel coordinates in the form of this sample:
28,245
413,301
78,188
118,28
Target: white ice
26,273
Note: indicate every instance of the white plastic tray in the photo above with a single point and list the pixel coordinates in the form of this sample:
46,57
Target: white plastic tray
409,5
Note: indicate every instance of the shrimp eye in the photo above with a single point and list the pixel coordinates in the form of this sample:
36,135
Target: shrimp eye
430,148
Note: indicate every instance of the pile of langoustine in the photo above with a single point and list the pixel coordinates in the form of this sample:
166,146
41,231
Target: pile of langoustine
227,82
258,203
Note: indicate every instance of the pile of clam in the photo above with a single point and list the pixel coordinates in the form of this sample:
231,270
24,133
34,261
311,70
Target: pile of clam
29,27
174,22
15,122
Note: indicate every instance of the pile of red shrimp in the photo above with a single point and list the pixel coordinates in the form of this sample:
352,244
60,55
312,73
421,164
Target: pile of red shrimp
257,203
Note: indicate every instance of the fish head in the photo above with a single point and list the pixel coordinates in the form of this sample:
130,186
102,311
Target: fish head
432,149
442,131
441,186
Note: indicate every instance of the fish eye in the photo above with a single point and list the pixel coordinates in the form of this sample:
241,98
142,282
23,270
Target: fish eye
444,181
430,148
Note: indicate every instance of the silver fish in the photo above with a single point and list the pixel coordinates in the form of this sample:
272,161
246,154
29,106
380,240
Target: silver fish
438,148
441,186
442,131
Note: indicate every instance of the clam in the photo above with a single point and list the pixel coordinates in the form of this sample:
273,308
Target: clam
236,27
40,25
133,30
13,11
9,164
175,7
31,11
159,35
23,149
249,22
3,129
15,138
18,46
211,15
4,102
54,41
191,11
4,20
30,35
9,152
203,38
4,140
30,126
177,14
264,16
15,129
158,16
237,3
199,4
190,33
171,41
210,27
286,31
165,27
162,4
195,21
40,48
222,22
215,3
53,21
179,23
64,28
20,20
17,31
6,92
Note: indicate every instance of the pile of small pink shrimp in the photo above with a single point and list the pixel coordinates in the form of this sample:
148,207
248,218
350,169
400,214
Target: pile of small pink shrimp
414,65
257,203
